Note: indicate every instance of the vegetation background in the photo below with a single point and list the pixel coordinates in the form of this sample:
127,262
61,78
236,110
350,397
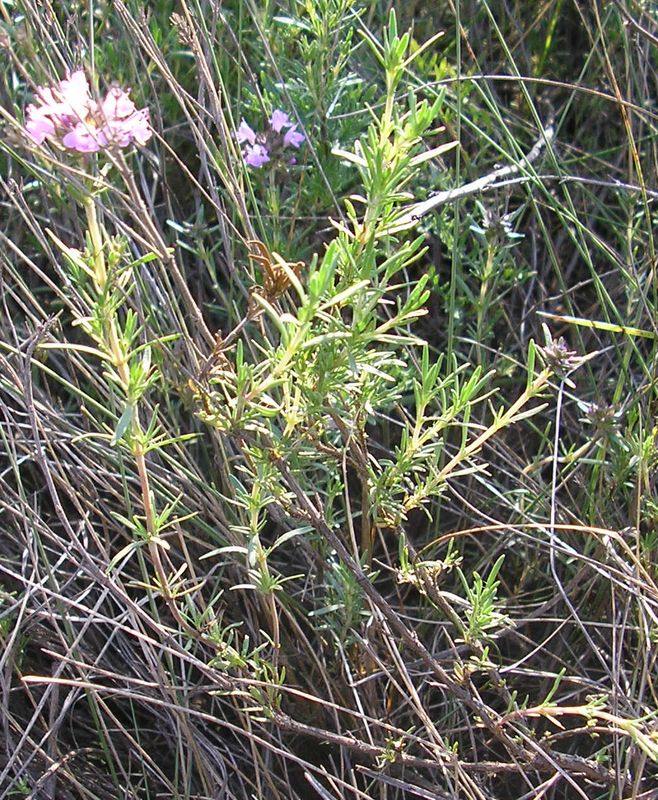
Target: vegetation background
304,492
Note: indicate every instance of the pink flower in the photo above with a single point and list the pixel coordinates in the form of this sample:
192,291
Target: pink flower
68,114
82,138
38,125
117,104
123,122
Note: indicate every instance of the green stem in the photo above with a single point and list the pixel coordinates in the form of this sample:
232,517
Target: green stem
507,418
118,356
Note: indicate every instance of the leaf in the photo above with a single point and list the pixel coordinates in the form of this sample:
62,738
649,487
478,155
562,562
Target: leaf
124,423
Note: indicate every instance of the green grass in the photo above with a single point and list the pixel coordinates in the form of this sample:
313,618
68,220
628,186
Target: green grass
304,492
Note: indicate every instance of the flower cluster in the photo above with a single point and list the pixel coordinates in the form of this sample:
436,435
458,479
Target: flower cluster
68,114
259,148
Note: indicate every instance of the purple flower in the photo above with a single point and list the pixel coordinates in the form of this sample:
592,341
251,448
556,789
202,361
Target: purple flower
245,134
256,155
279,120
293,137
68,114
270,145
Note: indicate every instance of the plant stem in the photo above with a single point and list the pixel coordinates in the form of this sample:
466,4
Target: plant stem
119,360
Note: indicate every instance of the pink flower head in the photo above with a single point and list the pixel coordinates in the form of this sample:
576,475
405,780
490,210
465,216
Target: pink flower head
70,100
68,114
61,107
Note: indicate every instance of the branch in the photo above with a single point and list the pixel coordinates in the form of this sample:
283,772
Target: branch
411,215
